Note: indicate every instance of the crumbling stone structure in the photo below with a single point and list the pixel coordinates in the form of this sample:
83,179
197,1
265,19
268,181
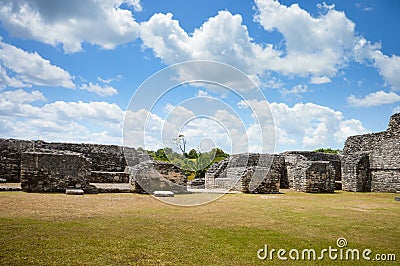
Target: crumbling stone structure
312,171
356,172
53,167
301,171
149,176
249,173
10,158
103,158
54,171
371,162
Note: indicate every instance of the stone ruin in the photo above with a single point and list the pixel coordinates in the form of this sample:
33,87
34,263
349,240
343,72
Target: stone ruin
150,176
54,171
301,171
369,162
312,171
239,171
55,167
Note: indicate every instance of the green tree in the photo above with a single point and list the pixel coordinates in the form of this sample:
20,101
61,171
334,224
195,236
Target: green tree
195,163
192,154
160,154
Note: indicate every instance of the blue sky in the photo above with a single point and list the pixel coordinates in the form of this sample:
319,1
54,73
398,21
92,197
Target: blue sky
325,70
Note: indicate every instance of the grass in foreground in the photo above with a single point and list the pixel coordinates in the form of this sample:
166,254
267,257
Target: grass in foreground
130,229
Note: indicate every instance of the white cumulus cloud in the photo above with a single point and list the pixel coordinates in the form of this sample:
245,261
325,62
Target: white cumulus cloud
21,96
302,126
319,47
100,90
70,23
320,80
19,68
222,38
374,99
297,90
310,126
314,45
99,122
387,66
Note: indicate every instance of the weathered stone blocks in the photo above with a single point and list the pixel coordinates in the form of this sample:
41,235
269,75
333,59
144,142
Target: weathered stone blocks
104,158
109,177
248,173
298,162
268,181
54,171
150,176
319,178
356,174
371,162
10,158
267,173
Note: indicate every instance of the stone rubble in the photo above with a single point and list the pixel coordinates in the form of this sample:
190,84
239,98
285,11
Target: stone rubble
150,176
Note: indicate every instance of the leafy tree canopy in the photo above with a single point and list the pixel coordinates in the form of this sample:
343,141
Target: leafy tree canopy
195,163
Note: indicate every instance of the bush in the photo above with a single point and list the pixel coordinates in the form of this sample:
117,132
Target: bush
327,150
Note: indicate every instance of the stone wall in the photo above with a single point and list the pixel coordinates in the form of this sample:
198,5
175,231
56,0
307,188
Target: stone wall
217,170
10,158
51,167
255,173
107,158
248,173
312,171
108,177
356,175
319,178
54,171
103,158
150,176
269,180
371,162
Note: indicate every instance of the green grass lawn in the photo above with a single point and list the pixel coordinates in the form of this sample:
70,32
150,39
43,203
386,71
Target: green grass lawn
131,229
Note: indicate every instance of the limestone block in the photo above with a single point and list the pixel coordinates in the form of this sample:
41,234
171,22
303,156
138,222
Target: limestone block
163,194
74,191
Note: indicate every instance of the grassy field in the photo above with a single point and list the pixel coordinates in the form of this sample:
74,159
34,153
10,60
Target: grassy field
131,229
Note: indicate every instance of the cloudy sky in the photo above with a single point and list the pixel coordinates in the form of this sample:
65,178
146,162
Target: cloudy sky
325,70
